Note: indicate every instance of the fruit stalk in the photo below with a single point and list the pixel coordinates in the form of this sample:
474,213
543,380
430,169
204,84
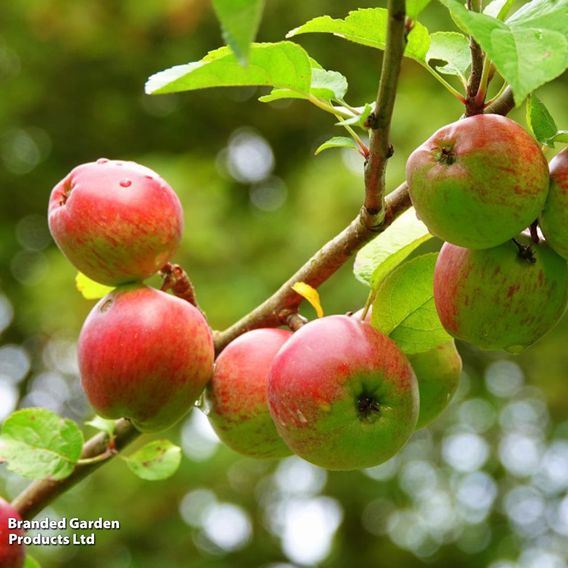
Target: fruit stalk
503,104
177,280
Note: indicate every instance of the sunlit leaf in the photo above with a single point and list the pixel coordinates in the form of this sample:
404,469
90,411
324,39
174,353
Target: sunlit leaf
156,460
310,294
404,306
337,142
38,444
102,424
239,20
326,85
451,48
387,250
282,65
367,26
529,49
90,289
540,121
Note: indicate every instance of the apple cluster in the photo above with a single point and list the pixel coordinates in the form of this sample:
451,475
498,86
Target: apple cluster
337,392
478,184
143,354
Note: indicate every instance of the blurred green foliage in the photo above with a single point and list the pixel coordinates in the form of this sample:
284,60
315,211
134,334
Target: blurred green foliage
72,76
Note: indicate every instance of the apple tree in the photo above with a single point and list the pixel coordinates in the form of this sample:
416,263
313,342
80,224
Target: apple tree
341,391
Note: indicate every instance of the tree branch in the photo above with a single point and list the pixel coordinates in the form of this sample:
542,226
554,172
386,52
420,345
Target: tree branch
471,107
379,148
317,269
39,494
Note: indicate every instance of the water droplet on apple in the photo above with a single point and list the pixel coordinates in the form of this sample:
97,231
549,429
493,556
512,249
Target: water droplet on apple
102,161
106,306
125,183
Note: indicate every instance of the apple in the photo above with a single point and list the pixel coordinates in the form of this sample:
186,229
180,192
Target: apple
438,373
144,355
11,555
116,221
554,217
505,297
342,395
478,182
236,396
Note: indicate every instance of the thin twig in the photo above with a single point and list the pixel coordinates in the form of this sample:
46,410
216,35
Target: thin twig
379,148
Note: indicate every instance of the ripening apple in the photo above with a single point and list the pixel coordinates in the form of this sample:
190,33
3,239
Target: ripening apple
116,221
236,396
342,395
438,373
11,555
478,182
144,355
505,297
554,218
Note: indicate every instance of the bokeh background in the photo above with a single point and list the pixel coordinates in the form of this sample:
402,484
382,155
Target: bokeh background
486,485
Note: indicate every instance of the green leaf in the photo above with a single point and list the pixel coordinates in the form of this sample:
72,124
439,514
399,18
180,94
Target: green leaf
280,94
337,142
102,424
452,49
561,136
542,14
498,8
394,260
38,444
282,65
31,562
326,85
414,7
404,307
90,289
156,460
367,26
358,119
386,251
540,121
239,20
528,50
